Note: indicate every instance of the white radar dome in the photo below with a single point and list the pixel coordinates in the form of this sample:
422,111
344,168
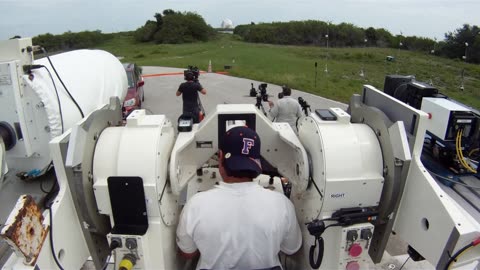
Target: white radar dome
227,23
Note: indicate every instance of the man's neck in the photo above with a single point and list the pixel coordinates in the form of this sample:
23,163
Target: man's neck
233,180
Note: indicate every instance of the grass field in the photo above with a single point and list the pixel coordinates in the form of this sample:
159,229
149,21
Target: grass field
295,65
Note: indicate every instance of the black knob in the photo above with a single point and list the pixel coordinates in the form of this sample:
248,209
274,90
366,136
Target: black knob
366,234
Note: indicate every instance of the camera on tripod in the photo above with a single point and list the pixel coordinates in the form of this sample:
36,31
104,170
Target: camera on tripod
261,96
305,106
262,92
194,71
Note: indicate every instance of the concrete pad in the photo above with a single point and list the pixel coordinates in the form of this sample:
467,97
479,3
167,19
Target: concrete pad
221,89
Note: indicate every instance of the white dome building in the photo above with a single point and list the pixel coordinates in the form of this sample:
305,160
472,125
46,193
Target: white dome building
227,24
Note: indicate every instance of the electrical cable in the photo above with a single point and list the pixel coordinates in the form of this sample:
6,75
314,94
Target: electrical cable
107,262
463,158
315,264
315,185
455,182
51,239
404,263
148,110
473,151
465,164
460,252
58,76
334,225
460,152
458,147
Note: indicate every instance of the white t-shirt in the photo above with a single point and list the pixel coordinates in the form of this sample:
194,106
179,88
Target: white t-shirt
287,110
238,226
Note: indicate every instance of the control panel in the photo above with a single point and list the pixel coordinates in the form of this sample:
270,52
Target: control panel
355,241
129,253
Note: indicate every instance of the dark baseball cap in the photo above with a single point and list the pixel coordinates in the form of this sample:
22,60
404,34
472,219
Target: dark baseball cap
241,151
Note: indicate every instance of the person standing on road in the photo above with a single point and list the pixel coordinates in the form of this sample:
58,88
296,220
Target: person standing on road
189,92
286,109
238,224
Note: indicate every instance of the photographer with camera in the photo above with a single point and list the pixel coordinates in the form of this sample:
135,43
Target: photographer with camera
189,92
286,109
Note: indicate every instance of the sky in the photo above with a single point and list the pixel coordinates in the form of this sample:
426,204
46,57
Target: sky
425,18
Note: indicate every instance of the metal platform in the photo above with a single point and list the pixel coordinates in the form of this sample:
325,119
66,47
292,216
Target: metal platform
160,99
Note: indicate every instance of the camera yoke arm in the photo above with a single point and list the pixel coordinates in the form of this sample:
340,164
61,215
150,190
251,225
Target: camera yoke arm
193,149
305,106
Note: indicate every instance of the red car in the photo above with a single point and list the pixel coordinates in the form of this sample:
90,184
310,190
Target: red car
135,95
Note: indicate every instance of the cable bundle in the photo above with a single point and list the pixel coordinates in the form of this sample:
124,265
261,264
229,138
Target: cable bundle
461,158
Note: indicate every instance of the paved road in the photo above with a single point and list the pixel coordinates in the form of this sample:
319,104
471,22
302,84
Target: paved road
160,92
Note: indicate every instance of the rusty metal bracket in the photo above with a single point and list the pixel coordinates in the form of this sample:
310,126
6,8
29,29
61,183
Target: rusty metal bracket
24,230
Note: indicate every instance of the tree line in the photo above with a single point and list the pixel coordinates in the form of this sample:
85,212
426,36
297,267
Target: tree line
70,41
171,27
174,27
464,41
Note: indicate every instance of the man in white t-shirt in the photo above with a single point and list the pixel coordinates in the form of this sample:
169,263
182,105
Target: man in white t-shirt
286,109
239,224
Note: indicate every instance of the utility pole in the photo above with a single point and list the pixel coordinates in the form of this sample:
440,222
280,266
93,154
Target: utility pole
432,52
462,87
326,56
400,44
362,70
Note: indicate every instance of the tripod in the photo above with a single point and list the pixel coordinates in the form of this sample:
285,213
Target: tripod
259,104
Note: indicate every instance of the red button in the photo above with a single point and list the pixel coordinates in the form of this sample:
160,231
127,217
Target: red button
353,266
355,250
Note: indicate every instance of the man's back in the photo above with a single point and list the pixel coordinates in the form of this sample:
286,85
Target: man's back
239,226
189,92
287,110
